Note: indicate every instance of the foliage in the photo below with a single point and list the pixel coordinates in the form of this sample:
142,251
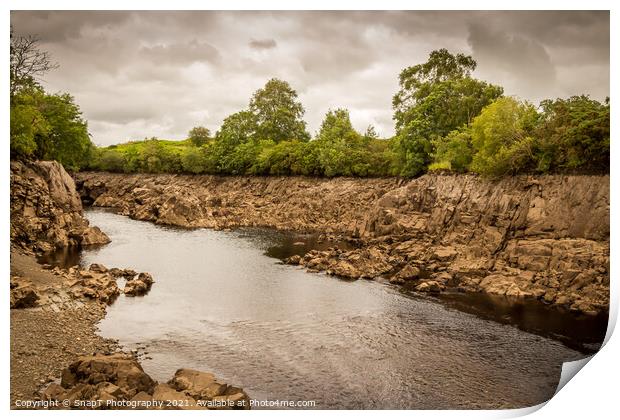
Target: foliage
573,133
502,137
434,99
27,63
453,152
278,112
47,126
43,126
199,136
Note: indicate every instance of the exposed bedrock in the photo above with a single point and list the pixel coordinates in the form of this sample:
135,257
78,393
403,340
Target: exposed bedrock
544,237
46,211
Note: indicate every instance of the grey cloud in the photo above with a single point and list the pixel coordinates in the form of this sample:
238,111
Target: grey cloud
181,53
518,58
138,74
263,44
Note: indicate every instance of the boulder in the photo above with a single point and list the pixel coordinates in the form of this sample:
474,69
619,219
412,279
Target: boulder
23,296
176,399
119,369
138,286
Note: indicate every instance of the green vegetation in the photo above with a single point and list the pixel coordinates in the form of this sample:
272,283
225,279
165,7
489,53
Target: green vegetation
445,119
43,126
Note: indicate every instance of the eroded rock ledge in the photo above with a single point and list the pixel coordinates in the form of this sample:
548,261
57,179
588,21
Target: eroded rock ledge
544,237
46,211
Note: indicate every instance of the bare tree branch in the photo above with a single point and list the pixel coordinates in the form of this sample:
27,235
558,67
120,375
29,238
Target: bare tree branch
28,63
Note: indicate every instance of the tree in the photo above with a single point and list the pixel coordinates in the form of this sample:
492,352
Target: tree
278,113
338,143
193,160
237,128
27,62
573,133
453,152
440,67
434,99
502,137
67,139
27,125
198,136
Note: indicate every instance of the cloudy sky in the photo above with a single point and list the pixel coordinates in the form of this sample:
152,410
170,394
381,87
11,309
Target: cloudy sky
144,74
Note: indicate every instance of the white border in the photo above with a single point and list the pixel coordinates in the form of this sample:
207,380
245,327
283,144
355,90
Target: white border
593,394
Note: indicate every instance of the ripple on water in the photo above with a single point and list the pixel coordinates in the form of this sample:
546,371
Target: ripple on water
220,304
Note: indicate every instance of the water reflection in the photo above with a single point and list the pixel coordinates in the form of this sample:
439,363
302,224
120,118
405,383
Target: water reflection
220,304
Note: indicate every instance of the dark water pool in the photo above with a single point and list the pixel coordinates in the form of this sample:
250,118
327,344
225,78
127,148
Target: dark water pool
221,304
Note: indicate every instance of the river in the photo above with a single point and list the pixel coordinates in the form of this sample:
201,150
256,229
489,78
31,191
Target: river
223,303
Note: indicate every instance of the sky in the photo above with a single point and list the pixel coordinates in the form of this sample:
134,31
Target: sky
145,74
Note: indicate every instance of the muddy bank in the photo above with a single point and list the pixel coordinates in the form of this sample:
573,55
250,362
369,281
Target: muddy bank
541,237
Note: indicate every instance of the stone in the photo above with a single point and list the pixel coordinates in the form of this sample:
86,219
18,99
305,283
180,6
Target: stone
98,268
119,369
46,211
192,381
408,273
178,400
138,286
429,287
53,392
23,296
443,254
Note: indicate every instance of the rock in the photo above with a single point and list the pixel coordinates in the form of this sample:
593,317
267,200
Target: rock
119,369
23,297
138,286
53,392
408,273
429,287
213,390
191,380
444,253
179,400
46,211
93,236
98,268
126,273
293,260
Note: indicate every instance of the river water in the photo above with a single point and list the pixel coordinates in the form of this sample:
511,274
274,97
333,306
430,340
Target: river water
223,303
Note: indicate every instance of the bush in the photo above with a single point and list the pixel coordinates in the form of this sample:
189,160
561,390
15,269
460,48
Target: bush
453,152
502,138
573,133
193,160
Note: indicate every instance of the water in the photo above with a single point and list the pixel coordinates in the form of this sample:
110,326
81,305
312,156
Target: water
220,304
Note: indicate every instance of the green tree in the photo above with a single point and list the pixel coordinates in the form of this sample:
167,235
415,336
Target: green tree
502,137
337,140
193,160
198,136
27,125
573,133
112,161
67,140
278,112
27,63
453,152
435,98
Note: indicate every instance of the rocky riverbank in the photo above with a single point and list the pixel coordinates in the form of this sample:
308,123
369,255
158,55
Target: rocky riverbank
46,211
543,237
54,311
